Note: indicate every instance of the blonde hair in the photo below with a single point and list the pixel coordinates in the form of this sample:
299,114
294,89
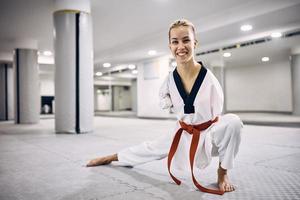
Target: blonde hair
182,22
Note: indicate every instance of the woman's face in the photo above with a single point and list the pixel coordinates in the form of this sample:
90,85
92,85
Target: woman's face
182,44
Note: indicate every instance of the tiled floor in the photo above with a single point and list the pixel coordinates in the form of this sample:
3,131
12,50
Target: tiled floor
36,163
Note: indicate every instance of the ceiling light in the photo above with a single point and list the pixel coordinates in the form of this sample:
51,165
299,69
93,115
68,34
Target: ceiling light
99,74
246,27
106,65
47,53
46,60
134,71
226,54
265,59
276,35
131,66
174,64
152,52
119,67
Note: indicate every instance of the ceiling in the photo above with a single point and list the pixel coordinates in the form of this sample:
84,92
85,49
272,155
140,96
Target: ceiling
124,31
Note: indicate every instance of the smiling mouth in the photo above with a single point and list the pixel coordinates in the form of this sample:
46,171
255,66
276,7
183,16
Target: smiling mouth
181,53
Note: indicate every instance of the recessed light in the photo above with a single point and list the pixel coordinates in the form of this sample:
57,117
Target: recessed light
226,54
119,67
47,53
276,35
106,65
152,52
246,27
134,71
131,66
99,74
265,59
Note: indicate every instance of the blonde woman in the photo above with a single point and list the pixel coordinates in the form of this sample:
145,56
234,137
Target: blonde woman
193,93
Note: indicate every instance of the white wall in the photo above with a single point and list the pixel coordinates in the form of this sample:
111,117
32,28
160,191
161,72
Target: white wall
125,99
265,87
102,100
134,95
46,84
295,68
122,98
148,89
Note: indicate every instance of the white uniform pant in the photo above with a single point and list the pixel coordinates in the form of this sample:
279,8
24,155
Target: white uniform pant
225,136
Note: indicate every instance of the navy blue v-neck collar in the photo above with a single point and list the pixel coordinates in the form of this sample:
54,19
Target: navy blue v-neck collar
189,99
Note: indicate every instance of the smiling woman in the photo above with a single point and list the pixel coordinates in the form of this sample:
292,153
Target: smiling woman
182,41
193,93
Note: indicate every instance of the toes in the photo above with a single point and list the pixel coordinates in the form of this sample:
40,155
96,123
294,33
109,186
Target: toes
229,188
90,164
232,188
97,162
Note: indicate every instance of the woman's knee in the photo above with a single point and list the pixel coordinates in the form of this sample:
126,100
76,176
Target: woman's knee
234,122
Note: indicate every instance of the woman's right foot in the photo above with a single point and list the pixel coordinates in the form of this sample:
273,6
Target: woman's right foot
223,181
102,160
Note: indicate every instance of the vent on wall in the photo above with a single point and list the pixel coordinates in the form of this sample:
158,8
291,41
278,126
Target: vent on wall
249,43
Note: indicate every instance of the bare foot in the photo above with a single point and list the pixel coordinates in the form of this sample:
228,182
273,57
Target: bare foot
102,160
223,181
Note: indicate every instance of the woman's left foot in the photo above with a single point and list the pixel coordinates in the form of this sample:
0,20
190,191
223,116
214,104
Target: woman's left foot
223,181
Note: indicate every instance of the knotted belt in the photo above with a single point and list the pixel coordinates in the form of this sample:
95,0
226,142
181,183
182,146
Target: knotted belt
195,131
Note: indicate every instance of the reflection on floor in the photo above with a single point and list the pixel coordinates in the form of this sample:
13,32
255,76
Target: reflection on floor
36,163
271,119
130,114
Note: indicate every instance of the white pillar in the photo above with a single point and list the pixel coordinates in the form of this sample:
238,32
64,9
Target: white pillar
6,91
27,97
74,107
295,68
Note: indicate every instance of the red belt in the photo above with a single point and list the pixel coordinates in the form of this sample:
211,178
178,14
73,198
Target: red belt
195,131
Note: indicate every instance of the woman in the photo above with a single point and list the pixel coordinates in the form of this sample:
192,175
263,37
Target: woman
194,94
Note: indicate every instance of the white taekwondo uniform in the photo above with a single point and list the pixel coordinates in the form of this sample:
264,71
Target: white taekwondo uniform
204,103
